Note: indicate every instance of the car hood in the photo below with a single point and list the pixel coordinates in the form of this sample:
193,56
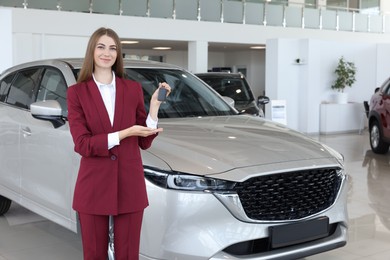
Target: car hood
215,145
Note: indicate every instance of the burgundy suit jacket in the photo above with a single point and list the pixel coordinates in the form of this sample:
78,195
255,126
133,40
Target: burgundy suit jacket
111,181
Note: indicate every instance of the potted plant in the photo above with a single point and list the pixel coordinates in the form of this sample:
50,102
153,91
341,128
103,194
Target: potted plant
345,72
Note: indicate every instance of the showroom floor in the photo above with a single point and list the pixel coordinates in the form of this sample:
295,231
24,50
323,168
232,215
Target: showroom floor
26,236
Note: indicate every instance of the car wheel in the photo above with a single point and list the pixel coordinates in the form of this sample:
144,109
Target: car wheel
376,142
5,204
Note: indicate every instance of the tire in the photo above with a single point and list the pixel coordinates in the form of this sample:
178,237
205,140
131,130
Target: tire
376,139
5,204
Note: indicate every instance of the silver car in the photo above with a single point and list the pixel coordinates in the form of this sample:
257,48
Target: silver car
220,185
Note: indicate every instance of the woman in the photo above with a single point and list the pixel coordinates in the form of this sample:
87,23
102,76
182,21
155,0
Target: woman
109,125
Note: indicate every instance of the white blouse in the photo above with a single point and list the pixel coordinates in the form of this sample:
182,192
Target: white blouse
108,91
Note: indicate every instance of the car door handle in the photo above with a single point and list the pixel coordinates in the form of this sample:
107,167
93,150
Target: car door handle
26,131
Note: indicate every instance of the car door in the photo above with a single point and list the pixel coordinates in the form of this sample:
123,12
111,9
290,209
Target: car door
386,111
48,159
11,112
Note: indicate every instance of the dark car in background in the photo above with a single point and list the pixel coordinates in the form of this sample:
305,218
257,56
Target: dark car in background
379,119
235,86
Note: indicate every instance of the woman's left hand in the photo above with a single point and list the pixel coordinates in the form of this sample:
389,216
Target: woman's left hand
155,103
154,99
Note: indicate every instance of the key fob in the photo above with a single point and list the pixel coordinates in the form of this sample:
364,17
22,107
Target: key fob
162,94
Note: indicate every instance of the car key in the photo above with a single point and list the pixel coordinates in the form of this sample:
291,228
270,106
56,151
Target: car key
162,94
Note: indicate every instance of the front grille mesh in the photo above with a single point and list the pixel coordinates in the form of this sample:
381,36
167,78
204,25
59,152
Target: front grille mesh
290,195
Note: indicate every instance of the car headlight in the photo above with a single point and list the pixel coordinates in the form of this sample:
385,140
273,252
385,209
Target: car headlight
180,181
339,157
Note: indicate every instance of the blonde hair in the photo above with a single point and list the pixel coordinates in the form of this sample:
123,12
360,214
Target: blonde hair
89,63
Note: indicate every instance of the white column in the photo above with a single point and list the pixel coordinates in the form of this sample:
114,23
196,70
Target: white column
6,39
197,56
385,6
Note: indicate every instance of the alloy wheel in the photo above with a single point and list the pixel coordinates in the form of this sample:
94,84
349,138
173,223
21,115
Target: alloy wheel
375,136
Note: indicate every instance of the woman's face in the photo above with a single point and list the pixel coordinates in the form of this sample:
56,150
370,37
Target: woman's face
105,52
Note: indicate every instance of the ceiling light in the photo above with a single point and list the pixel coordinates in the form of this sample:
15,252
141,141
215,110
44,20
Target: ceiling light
258,47
162,48
129,42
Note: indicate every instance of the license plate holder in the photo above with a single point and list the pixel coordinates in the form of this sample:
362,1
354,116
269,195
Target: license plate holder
291,234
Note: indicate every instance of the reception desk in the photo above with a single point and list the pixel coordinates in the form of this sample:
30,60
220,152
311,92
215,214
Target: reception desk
339,118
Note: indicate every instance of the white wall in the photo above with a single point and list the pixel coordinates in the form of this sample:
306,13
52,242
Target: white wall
306,86
283,76
216,59
6,45
385,6
256,74
254,62
383,63
38,34
179,58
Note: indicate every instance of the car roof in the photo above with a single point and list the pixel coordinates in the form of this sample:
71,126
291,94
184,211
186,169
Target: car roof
219,75
78,62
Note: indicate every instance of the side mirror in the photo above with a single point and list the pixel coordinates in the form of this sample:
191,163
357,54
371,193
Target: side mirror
49,110
262,100
229,100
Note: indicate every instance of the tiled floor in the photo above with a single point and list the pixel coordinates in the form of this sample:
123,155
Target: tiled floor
26,236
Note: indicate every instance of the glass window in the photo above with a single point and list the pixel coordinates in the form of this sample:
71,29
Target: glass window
234,88
310,3
337,3
354,4
280,1
364,5
23,88
4,86
189,96
368,6
53,87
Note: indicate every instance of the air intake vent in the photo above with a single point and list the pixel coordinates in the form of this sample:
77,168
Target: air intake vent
289,196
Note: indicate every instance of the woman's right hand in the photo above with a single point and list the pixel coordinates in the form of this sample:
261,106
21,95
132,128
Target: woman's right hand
138,130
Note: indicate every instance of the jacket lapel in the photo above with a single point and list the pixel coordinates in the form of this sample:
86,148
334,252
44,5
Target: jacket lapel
99,105
119,102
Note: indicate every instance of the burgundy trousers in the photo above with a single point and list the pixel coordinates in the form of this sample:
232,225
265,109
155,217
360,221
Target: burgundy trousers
94,235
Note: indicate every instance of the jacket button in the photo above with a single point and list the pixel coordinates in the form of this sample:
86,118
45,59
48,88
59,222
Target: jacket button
113,157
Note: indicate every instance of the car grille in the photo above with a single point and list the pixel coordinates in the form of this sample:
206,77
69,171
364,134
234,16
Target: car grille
289,196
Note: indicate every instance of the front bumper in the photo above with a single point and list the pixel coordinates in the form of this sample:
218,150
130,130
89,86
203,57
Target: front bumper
197,226
336,240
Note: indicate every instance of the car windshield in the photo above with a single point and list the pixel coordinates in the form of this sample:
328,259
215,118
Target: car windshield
234,88
189,96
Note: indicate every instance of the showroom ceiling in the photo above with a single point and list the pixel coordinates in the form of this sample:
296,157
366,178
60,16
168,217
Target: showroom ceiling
143,44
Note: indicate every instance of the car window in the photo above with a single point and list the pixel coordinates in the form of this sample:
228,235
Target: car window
53,87
233,88
189,96
4,86
23,88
